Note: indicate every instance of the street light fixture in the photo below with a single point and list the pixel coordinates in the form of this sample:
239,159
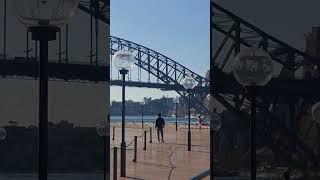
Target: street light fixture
316,112
43,18
3,134
253,67
102,131
142,103
189,83
176,101
123,61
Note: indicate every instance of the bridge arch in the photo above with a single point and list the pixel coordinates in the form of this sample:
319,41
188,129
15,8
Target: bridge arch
168,71
155,63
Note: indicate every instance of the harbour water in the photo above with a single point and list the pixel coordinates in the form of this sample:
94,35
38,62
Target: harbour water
150,119
114,119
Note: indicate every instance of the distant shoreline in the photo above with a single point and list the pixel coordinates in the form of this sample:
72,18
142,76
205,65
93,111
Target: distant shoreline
114,119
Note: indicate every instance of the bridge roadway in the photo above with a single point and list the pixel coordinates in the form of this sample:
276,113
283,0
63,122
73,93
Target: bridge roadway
20,67
80,71
162,86
77,71
284,87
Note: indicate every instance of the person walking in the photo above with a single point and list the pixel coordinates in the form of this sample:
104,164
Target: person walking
286,174
159,126
200,122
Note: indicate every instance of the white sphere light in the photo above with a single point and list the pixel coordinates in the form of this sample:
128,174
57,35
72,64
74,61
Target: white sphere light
123,59
45,12
316,112
209,102
176,100
142,102
3,134
102,128
189,82
253,67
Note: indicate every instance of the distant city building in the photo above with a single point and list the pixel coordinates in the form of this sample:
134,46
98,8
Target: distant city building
152,107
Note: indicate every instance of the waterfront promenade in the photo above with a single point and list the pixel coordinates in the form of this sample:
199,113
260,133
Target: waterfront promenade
168,160
160,161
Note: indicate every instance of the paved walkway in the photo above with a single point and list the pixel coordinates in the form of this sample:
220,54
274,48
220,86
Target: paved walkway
168,160
160,161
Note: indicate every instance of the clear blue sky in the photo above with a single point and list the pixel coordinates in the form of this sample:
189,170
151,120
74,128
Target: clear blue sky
178,29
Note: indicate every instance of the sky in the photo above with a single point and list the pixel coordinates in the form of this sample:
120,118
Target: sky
178,29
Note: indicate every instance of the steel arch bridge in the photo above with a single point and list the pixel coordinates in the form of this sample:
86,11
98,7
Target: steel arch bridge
100,9
295,95
168,72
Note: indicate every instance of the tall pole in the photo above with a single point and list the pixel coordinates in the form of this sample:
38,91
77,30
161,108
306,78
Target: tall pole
36,50
67,43
142,115
43,34
176,116
59,46
211,147
253,133
104,157
189,131
211,93
97,31
43,111
97,37
91,18
123,72
5,30
108,146
27,50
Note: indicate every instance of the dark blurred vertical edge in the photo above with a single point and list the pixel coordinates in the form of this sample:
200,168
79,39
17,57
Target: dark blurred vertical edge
211,91
108,103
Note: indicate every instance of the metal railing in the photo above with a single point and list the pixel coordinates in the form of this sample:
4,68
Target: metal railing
135,149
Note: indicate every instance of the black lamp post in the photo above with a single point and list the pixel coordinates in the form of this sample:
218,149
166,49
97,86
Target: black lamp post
215,125
189,83
176,101
102,131
123,61
142,105
43,34
43,18
252,68
123,72
4,29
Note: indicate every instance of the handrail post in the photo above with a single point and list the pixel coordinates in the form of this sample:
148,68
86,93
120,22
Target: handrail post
145,140
113,129
115,163
150,134
135,149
